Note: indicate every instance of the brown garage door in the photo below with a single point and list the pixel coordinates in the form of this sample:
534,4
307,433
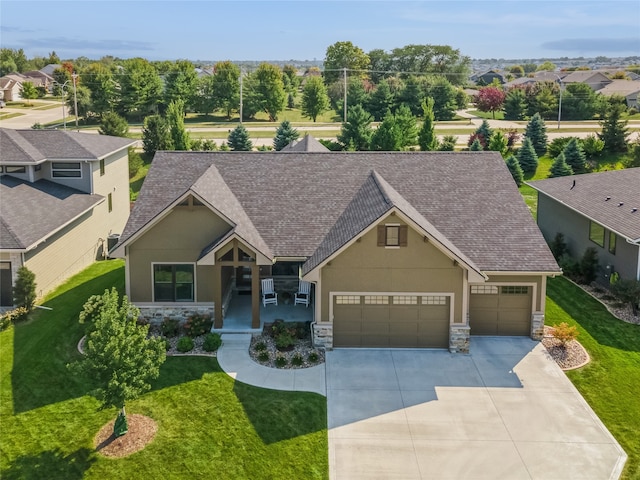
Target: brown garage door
397,321
500,310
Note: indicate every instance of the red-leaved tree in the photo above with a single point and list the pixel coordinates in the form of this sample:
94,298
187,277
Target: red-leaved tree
490,99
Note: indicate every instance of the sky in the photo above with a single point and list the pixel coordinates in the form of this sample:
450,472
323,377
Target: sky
303,29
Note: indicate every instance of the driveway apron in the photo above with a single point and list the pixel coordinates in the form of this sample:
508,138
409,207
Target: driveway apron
506,411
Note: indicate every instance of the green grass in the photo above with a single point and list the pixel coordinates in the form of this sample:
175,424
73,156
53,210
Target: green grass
610,382
135,183
5,116
209,425
487,115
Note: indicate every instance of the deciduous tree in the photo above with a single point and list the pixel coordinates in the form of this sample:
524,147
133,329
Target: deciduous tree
140,87
181,83
155,135
490,99
113,124
315,100
427,136
24,289
28,91
269,90
342,55
226,87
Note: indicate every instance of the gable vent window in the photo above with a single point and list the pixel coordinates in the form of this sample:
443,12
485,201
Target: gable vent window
66,170
392,235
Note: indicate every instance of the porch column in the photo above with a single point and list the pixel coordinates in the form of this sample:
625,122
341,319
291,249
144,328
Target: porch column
255,296
217,295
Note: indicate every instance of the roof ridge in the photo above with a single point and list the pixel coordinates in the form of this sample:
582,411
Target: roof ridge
378,180
18,143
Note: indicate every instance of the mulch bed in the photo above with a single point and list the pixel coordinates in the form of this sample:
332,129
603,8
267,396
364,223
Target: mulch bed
142,430
570,356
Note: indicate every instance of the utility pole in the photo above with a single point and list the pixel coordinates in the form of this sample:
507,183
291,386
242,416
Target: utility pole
75,98
345,93
241,96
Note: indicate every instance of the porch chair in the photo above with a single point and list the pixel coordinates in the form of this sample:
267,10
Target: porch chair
303,295
269,295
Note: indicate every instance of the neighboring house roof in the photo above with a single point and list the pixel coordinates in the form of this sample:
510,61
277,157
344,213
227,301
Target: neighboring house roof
49,69
33,211
585,76
607,198
620,87
307,144
35,146
307,205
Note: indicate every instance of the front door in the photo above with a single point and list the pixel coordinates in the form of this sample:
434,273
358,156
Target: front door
6,287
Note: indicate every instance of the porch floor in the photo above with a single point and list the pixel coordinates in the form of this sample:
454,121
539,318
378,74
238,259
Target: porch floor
238,316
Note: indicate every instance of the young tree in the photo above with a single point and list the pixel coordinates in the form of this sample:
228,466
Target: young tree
175,119
270,90
238,140
407,126
516,170
574,156
356,131
527,157
285,134
156,135
380,101
387,137
490,99
114,125
515,104
560,168
536,132
498,142
427,136
314,98
28,91
448,143
614,128
476,146
119,356
484,130
24,290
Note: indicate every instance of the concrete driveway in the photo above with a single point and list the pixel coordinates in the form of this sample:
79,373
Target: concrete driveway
504,412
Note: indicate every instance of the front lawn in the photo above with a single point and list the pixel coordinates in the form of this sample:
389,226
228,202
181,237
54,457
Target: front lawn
611,382
209,425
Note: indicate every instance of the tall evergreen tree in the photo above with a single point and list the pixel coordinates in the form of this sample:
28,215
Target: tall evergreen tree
427,136
175,119
515,105
239,140
380,101
560,168
407,126
156,135
574,156
516,170
527,157
285,134
356,131
387,137
614,128
486,131
536,132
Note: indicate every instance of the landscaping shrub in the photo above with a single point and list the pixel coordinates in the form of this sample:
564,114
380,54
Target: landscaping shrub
284,340
170,327
565,333
313,357
281,361
557,145
558,246
12,316
185,344
589,265
212,342
628,291
197,325
297,360
260,346
263,356
24,290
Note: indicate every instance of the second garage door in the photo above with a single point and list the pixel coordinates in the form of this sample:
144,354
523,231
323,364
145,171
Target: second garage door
396,321
500,310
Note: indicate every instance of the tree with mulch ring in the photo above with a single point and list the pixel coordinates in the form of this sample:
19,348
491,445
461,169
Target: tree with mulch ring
560,341
142,430
122,360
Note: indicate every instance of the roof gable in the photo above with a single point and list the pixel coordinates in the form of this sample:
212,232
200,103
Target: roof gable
307,144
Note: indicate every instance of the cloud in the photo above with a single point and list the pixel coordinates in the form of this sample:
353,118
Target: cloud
81,45
601,45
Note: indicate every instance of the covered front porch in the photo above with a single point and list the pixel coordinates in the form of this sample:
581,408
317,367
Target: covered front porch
238,315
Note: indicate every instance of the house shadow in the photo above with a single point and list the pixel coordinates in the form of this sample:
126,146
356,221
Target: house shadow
367,383
282,415
50,464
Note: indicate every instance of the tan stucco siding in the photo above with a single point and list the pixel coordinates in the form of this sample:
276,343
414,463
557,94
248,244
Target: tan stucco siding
418,267
115,181
70,250
180,237
540,292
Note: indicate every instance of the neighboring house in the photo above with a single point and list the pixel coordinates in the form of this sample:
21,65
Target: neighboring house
487,78
599,210
307,144
534,78
596,80
49,69
62,194
10,87
40,79
625,88
404,249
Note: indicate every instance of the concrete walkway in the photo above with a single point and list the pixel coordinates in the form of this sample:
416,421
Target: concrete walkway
233,357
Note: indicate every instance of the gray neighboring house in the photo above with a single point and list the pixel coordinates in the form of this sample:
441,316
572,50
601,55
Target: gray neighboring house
62,195
600,210
595,80
307,144
629,89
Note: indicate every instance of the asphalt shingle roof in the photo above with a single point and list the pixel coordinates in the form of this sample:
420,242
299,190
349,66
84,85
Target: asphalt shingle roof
307,144
295,200
590,193
32,211
35,146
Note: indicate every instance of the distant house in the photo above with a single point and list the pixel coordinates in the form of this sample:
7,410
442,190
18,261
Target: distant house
62,195
40,79
307,144
487,77
596,80
599,210
10,87
403,249
534,78
629,89
49,69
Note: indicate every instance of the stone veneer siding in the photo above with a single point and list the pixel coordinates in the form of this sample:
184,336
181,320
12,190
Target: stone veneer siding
537,326
323,335
459,338
157,313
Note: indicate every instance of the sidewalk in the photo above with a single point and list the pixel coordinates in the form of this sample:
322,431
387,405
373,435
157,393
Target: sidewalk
233,357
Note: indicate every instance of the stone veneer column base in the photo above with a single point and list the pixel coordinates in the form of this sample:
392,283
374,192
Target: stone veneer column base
459,338
157,313
323,335
537,326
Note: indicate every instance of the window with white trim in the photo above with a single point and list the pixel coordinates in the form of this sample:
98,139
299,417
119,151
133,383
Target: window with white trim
66,170
484,289
434,300
405,299
376,300
173,282
347,299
